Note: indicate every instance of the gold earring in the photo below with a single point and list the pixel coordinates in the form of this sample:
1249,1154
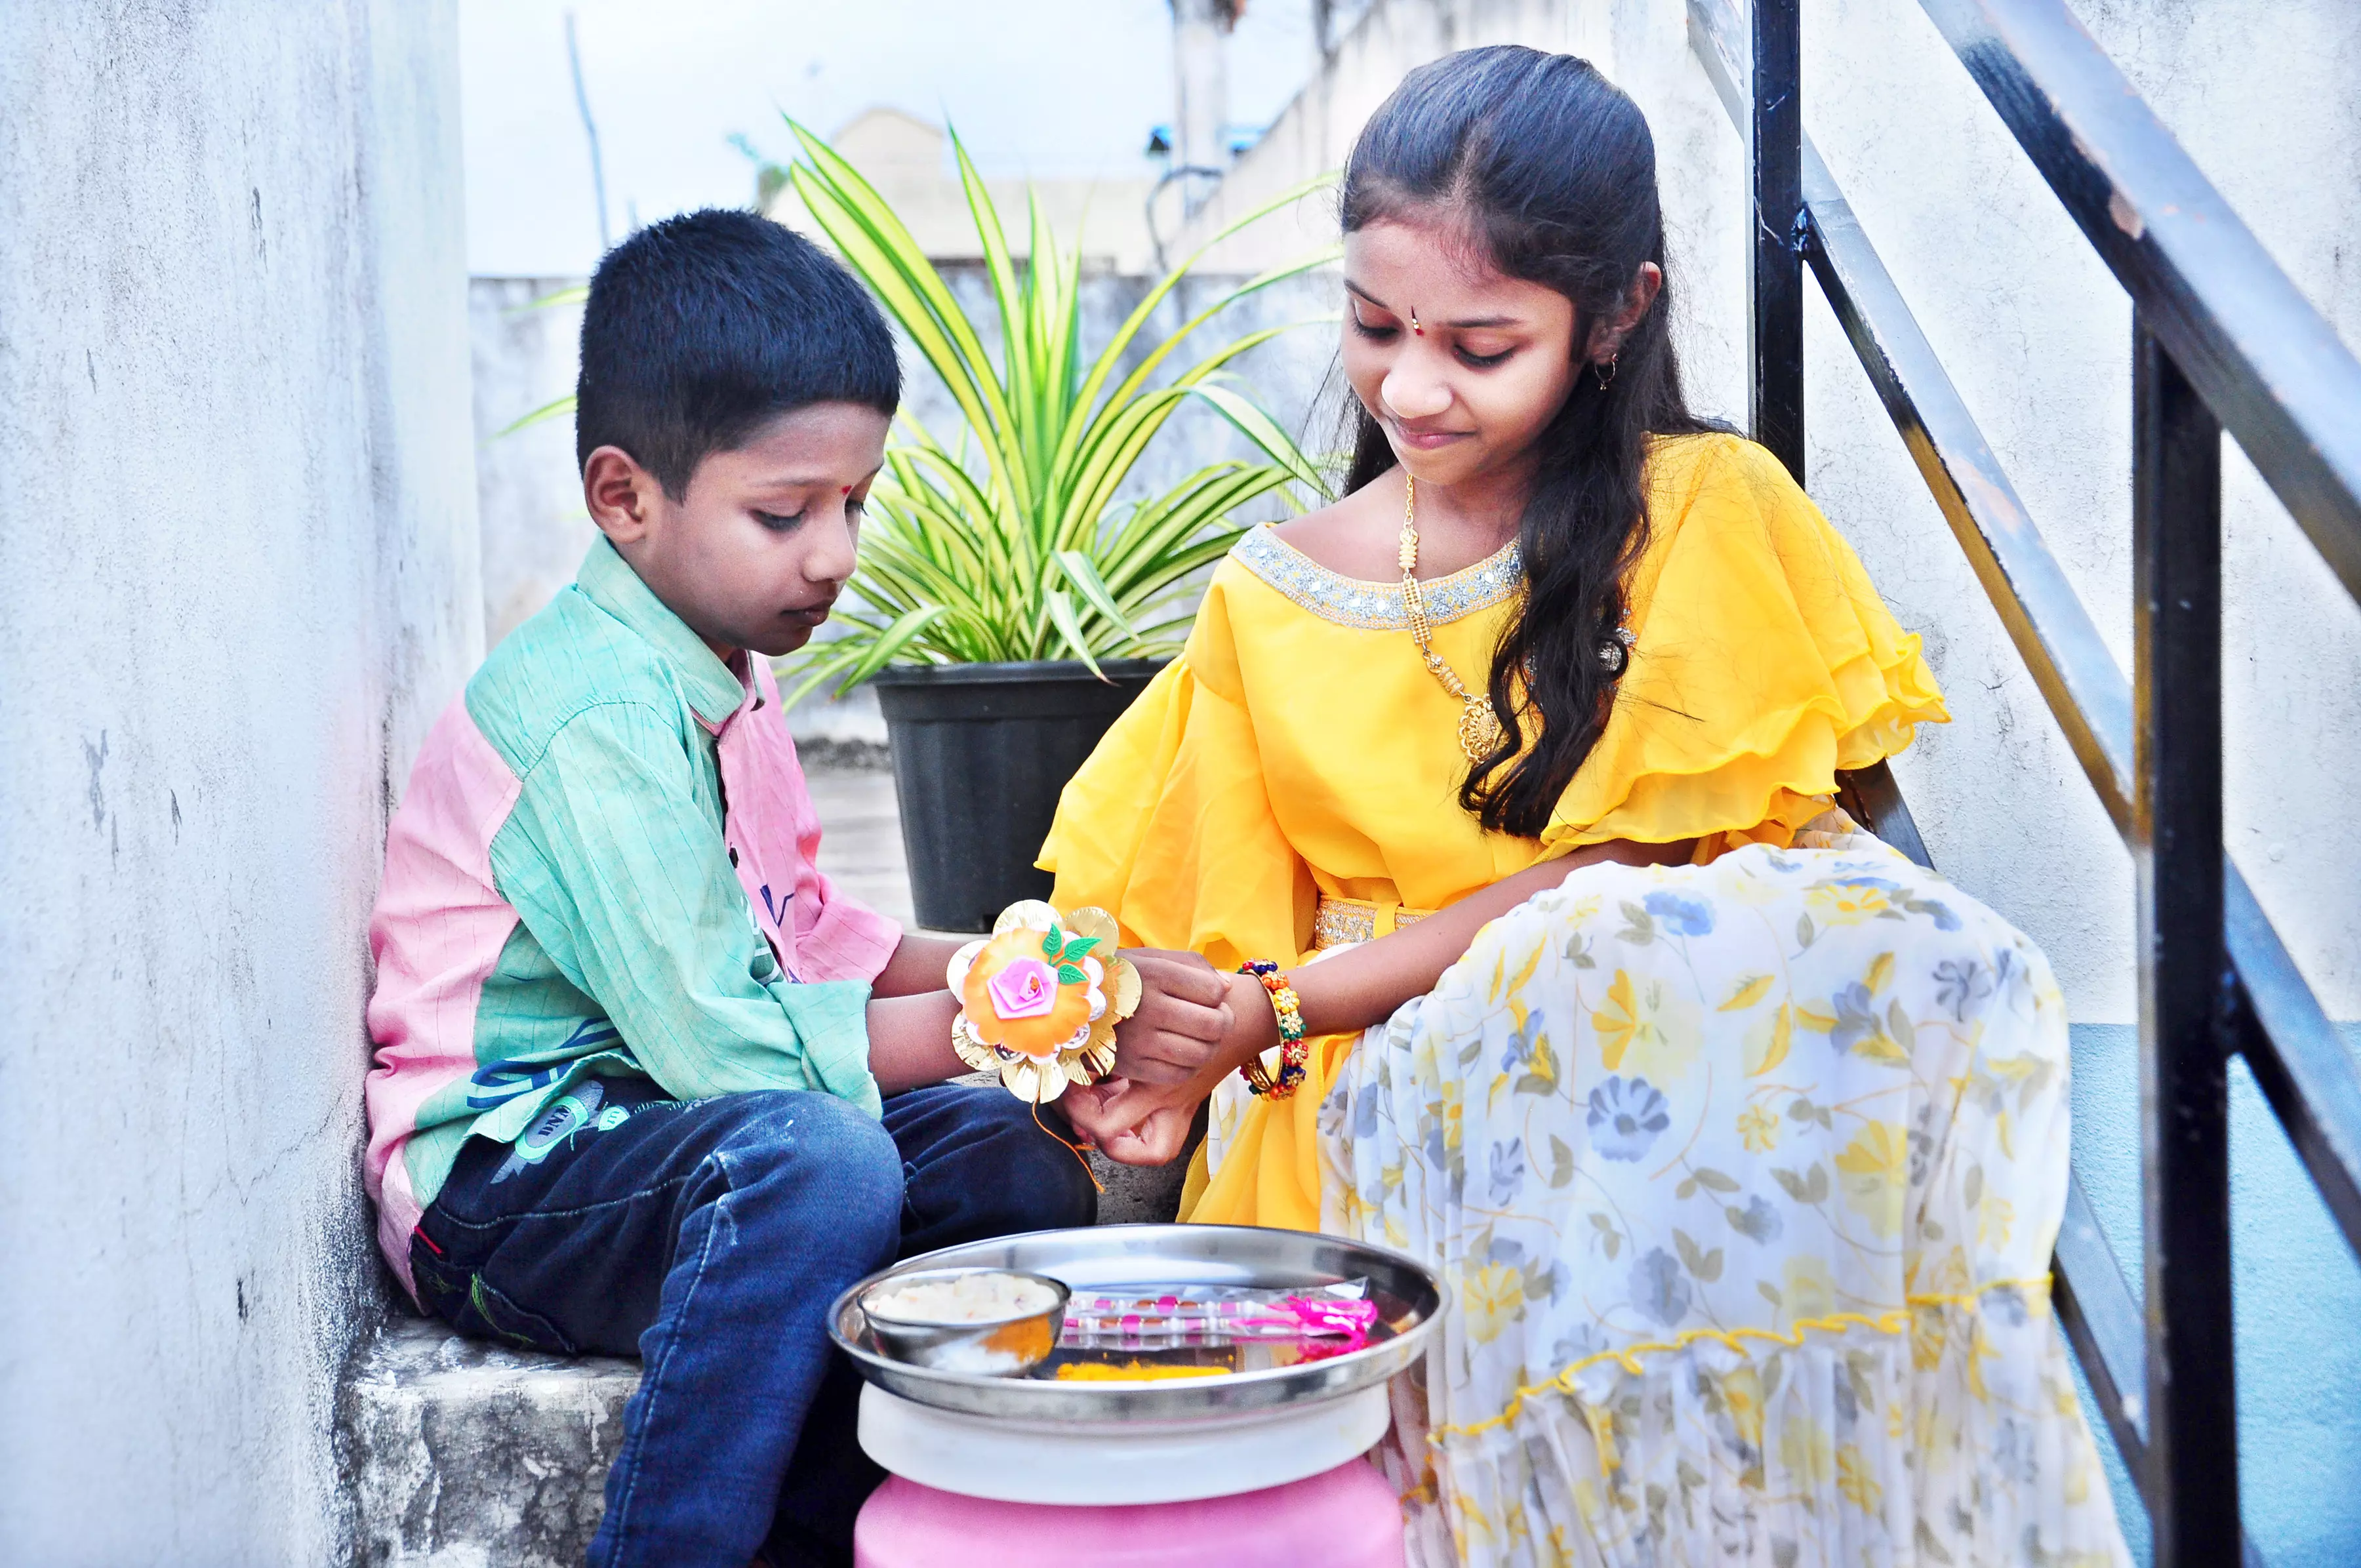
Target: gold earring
1614,363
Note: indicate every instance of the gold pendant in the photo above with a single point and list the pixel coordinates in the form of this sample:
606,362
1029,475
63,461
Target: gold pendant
1480,726
1479,729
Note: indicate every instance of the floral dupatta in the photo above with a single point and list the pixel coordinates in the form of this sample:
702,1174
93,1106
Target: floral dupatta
1742,1181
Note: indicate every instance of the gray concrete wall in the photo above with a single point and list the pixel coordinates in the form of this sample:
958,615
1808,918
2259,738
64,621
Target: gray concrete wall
2036,334
529,493
237,580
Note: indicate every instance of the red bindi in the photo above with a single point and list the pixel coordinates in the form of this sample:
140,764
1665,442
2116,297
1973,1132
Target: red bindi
845,491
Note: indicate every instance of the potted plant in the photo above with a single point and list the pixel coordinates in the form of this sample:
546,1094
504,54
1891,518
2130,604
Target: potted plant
1007,605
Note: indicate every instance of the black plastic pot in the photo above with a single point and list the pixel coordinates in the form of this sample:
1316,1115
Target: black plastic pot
979,754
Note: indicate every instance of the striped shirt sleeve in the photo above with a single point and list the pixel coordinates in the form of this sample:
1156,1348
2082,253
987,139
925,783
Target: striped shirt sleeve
619,871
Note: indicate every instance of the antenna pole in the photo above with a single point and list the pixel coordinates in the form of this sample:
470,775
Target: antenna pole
589,129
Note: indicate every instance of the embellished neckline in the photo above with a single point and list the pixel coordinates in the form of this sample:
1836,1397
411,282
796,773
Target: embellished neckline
1376,607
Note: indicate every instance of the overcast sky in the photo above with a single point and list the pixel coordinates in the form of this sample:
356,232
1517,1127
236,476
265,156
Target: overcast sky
1046,87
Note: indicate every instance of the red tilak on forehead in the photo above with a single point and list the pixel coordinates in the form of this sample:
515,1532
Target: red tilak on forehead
845,491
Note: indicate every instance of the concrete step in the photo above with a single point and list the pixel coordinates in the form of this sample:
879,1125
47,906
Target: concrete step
468,1455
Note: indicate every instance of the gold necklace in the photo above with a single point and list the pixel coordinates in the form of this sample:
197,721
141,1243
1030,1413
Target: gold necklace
1480,726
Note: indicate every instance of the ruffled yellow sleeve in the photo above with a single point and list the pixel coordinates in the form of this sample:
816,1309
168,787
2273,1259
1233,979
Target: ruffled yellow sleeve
1764,663
1168,826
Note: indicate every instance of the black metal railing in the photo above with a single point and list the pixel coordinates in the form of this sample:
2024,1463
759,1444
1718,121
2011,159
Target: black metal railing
2221,339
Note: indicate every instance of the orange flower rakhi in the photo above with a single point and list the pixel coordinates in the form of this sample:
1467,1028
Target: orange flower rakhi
1040,997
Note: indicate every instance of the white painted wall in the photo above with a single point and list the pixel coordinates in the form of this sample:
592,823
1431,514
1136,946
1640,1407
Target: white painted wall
238,579
2036,333
529,491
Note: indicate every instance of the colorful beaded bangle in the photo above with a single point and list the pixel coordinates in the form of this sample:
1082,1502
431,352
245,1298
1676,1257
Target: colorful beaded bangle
1294,1055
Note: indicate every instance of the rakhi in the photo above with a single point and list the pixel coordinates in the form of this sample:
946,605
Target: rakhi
1040,997
1198,1315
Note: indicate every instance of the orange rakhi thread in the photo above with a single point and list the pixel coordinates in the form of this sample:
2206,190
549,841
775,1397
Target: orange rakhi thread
1039,999
1074,1149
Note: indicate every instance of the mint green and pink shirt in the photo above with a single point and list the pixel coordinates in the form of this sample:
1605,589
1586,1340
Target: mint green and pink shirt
604,865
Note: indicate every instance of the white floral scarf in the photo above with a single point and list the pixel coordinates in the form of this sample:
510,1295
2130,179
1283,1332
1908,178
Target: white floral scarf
1742,1180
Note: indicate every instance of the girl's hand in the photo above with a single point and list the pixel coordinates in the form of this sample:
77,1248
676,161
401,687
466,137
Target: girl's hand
1183,1015
1134,1123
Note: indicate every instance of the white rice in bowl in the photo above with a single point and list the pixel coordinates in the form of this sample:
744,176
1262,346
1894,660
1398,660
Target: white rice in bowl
984,1296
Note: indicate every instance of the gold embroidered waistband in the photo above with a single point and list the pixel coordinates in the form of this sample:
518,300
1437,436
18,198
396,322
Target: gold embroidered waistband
1340,920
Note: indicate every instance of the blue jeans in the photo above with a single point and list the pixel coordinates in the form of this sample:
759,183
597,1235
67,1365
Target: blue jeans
708,1237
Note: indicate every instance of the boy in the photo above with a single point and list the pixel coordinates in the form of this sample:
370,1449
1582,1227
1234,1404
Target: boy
647,1082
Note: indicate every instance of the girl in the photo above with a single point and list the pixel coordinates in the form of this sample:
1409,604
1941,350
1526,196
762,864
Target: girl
1738,1140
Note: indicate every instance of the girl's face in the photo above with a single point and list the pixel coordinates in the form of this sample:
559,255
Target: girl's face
1462,367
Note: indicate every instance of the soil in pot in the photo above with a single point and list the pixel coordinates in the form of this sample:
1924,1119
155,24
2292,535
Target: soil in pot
981,753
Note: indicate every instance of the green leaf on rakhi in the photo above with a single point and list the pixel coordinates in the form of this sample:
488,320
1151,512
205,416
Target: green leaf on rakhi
1070,974
1052,942
1078,946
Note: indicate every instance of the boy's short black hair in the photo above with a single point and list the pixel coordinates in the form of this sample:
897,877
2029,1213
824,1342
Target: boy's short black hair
702,328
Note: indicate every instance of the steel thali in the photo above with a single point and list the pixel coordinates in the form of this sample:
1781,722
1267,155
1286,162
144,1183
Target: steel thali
1120,1256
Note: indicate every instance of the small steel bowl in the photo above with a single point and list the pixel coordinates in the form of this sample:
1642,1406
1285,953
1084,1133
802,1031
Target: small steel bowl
1003,1347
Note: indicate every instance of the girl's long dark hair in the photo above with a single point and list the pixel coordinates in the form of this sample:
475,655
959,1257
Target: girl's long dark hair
1550,171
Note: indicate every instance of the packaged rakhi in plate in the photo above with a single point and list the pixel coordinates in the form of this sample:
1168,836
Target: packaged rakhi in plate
1159,1317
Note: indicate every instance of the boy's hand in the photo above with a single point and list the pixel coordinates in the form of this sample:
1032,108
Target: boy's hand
1183,1014
1134,1123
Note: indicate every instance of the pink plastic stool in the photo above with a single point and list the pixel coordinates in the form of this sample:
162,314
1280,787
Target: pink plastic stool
1344,1518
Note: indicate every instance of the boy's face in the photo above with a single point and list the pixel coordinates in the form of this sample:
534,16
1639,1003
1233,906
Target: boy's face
756,551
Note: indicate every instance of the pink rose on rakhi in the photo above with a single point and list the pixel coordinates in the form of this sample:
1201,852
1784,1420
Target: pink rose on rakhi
1039,999
1028,988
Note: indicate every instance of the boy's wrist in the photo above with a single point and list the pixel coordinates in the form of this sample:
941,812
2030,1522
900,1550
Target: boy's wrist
916,966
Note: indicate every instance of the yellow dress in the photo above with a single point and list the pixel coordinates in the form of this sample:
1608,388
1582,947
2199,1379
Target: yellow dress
1300,750
1740,1180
